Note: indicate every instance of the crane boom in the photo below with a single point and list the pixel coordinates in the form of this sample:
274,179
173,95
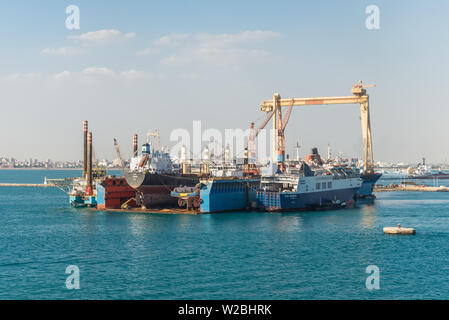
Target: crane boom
144,160
287,115
267,105
94,158
268,118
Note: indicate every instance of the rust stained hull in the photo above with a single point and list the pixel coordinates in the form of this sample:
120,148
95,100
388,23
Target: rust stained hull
113,192
153,189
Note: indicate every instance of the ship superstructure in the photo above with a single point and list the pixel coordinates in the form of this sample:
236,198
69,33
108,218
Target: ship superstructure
302,188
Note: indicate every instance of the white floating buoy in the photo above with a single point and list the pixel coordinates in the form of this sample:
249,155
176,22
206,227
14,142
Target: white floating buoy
399,230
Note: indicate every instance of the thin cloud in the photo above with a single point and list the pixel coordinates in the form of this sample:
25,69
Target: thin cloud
241,38
173,39
63,51
134,74
86,73
85,40
104,35
99,71
62,75
218,50
147,51
22,76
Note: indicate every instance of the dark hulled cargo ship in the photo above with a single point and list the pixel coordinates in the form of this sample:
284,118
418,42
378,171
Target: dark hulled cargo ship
153,189
153,176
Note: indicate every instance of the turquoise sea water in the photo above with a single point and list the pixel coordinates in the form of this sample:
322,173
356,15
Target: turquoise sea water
306,255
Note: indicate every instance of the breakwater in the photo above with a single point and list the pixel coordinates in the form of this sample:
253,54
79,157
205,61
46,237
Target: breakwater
410,187
42,185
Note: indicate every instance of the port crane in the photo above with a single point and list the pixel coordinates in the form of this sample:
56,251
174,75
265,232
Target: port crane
119,157
273,108
154,134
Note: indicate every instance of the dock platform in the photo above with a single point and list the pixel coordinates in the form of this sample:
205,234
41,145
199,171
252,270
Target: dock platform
34,185
410,187
157,211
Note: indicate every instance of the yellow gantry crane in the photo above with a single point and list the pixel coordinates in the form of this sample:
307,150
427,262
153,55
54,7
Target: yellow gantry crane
274,110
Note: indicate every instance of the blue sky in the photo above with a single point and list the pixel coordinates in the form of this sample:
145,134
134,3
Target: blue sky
139,65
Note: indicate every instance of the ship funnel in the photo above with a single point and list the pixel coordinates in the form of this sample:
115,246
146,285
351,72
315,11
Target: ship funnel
85,127
297,151
185,163
89,164
135,145
184,154
206,154
227,154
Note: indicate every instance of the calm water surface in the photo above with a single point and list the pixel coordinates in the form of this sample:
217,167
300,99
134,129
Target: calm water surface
306,255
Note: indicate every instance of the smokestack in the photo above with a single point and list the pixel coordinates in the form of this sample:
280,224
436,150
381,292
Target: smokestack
85,126
89,163
297,151
135,145
227,154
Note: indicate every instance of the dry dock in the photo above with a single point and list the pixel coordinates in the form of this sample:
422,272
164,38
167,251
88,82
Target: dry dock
160,211
409,187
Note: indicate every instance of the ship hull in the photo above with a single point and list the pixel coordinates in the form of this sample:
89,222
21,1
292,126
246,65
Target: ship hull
368,182
114,192
228,195
292,201
83,201
154,188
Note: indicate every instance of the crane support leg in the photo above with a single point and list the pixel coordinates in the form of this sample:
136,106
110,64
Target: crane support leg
366,134
276,110
358,96
280,136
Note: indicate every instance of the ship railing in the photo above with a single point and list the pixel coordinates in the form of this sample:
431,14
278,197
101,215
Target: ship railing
62,184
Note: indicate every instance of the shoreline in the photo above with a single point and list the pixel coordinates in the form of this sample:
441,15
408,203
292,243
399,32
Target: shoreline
50,169
47,169
421,188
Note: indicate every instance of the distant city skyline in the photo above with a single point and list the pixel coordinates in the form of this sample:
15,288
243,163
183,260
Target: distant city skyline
133,67
11,162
